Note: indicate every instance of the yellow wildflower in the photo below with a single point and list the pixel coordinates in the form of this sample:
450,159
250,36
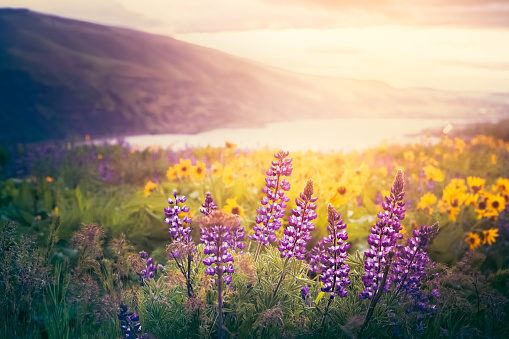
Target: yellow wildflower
56,210
427,200
216,169
496,203
87,137
149,187
473,240
489,236
233,208
198,172
503,186
99,156
49,179
493,159
228,176
171,174
184,168
410,156
447,142
433,173
459,145
131,151
229,144
476,184
470,199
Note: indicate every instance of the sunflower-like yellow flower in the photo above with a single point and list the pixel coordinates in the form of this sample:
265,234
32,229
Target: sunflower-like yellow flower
171,174
489,236
409,155
453,197
496,203
427,200
233,208
216,169
149,187
473,240
49,179
503,186
184,168
339,195
99,156
470,199
433,173
198,172
447,142
476,184
229,144
459,145
228,176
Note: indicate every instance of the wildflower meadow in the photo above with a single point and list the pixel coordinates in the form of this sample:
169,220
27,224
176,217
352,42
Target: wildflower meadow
120,241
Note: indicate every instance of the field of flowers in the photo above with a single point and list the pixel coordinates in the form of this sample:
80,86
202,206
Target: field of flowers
115,241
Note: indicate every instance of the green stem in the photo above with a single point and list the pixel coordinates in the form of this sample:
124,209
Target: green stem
378,294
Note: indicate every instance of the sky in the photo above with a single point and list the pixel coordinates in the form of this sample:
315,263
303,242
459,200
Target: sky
458,45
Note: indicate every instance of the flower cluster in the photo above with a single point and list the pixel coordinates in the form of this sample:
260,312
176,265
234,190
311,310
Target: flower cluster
297,234
412,261
209,205
328,256
274,203
129,322
150,269
177,231
382,239
218,234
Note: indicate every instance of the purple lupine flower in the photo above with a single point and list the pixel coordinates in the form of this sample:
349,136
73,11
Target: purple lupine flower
148,272
273,206
209,205
431,185
129,322
177,231
182,246
359,201
304,294
105,171
297,234
382,239
328,256
216,234
412,261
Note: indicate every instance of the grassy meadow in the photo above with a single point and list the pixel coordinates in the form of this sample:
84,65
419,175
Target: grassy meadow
87,249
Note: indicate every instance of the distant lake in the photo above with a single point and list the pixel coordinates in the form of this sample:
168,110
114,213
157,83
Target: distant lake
318,135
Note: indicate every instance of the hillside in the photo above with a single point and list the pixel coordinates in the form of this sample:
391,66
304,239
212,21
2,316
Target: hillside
62,78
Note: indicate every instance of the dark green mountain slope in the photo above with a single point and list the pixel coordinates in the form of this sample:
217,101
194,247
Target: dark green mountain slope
62,77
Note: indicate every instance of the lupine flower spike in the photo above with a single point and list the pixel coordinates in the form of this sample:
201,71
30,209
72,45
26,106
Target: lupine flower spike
382,241
412,261
297,234
217,230
209,205
150,269
273,206
327,258
129,322
182,246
